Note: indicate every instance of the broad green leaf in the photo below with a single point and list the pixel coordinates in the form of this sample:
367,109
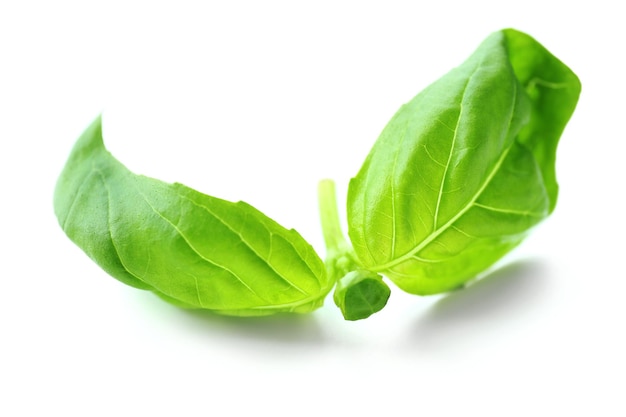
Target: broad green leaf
466,169
189,248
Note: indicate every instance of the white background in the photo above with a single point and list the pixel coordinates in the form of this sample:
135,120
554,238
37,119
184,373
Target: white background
258,101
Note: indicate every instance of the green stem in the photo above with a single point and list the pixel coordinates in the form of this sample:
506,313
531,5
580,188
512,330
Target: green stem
340,257
359,293
329,216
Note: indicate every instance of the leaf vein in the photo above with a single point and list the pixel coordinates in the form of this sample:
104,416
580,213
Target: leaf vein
452,148
508,211
248,244
471,203
195,250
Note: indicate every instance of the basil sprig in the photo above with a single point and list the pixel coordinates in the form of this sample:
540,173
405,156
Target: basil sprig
458,177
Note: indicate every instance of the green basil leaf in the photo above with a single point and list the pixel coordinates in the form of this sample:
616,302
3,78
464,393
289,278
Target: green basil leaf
466,169
189,248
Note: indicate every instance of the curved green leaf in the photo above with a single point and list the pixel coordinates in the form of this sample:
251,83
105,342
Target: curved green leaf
189,248
464,170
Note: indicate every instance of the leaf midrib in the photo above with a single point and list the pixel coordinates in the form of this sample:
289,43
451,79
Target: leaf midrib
249,245
449,223
437,232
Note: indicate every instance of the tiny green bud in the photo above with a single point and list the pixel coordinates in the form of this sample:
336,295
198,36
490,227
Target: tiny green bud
359,294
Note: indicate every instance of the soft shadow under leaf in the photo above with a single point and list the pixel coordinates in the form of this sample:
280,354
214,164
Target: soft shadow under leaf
501,296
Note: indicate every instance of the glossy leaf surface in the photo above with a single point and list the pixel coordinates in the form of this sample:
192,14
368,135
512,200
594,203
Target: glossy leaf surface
466,169
189,248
